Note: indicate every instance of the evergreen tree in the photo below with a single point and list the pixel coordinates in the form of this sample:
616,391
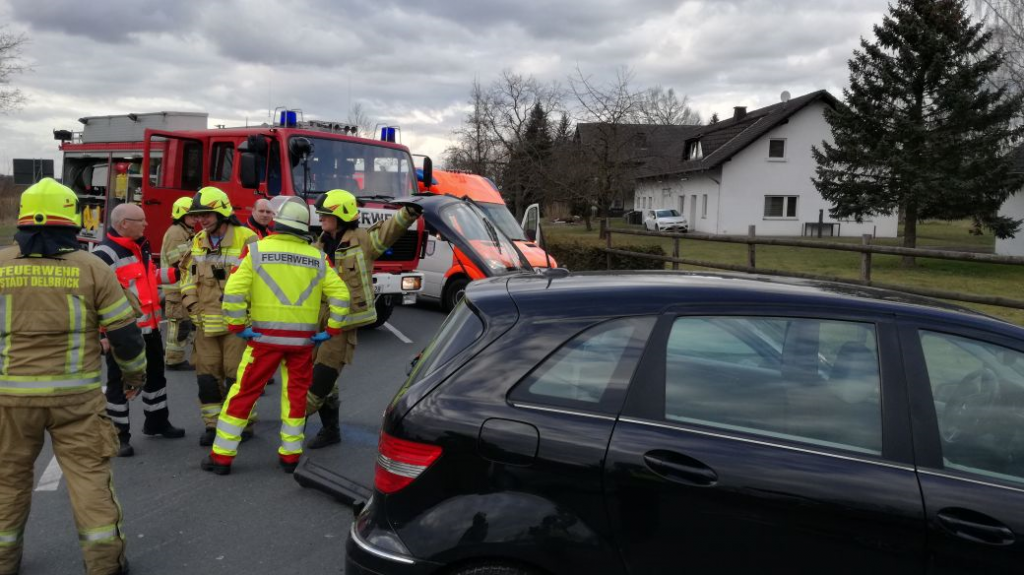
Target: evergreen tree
922,131
524,174
714,118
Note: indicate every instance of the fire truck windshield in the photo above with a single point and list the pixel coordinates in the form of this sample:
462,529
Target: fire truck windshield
361,168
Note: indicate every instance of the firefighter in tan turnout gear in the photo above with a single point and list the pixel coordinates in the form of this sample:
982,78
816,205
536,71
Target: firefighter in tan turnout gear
352,251
215,251
53,300
176,245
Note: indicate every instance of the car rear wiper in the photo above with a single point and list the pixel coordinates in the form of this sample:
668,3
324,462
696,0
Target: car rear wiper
377,197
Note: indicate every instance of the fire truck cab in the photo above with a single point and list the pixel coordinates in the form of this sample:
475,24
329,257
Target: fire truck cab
292,157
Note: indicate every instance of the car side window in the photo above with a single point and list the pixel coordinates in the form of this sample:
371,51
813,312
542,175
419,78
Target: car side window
590,371
978,390
808,380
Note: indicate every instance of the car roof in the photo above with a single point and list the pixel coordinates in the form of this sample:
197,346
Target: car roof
645,292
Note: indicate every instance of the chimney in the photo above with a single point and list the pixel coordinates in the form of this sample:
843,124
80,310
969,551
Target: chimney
738,112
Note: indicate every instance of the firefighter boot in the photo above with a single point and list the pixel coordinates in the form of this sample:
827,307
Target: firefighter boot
125,450
330,433
212,466
206,439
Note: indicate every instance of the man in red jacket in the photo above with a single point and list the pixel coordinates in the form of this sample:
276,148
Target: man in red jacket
126,250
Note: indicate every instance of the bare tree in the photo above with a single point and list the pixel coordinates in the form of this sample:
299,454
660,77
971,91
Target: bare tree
1005,19
474,148
358,117
11,64
659,105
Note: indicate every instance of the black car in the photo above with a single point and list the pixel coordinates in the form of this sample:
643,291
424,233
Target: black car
647,423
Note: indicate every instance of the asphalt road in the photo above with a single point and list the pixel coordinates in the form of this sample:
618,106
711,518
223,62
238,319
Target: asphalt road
180,519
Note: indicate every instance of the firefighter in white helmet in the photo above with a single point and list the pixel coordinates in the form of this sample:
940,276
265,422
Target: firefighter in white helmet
50,378
273,301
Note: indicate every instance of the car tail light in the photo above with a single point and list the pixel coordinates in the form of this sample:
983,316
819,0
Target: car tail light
400,462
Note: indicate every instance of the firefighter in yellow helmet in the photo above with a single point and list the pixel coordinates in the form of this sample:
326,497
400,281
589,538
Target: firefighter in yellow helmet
277,290
216,249
50,378
176,244
352,251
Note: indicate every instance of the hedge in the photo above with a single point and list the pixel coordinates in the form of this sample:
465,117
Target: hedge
579,256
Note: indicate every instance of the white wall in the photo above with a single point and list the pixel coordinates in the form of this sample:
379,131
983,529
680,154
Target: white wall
667,193
1013,207
751,175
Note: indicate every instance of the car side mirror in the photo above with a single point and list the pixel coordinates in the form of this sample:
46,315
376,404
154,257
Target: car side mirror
248,172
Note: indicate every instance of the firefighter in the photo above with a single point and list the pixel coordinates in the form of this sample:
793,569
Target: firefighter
54,298
177,242
278,287
262,219
216,249
352,251
126,251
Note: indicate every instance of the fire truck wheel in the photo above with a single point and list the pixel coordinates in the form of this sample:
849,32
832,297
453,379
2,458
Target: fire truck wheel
385,305
453,292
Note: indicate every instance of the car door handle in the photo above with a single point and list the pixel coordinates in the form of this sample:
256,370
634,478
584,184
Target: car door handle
975,527
679,467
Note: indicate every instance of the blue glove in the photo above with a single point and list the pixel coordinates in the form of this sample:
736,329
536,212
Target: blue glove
248,334
320,337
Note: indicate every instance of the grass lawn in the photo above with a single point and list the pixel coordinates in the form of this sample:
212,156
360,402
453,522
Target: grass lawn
967,277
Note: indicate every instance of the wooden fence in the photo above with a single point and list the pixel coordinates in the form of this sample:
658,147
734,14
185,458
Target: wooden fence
866,249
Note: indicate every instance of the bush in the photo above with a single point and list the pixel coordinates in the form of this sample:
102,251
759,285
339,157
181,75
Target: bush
579,256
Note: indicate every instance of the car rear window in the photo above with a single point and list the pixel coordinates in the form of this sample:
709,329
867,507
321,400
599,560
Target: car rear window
459,330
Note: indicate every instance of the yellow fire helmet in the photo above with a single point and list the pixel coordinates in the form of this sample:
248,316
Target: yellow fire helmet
181,207
292,218
211,199
340,204
49,203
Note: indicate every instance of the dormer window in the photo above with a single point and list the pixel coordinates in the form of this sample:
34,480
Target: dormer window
693,150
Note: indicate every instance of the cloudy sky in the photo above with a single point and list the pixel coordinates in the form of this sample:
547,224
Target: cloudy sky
407,63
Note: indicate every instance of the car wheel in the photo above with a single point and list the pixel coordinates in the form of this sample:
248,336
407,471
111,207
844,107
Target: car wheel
453,293
494,570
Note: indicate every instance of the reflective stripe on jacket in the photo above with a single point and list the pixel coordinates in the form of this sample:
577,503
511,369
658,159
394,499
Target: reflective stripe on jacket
353,260
205,273
279,286
176,245
133,264
50,312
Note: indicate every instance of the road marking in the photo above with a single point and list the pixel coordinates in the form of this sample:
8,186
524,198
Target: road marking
51,477
397,333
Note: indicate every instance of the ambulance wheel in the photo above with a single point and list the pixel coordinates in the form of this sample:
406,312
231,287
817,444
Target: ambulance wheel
385,305
454,292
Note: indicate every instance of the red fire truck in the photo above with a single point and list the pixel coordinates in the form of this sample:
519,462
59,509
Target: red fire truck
291,157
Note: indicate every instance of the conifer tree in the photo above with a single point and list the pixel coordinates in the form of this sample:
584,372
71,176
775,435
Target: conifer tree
921,130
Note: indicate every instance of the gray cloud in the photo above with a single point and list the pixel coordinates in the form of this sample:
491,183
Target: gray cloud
410,60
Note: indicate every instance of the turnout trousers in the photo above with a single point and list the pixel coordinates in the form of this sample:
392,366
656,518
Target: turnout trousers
177,342
259,362
154,393
83,441
217,359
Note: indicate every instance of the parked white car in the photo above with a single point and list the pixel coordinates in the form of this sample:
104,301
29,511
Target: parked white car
665,221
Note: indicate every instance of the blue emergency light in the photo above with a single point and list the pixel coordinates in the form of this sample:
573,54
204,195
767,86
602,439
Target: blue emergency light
387,134
289,119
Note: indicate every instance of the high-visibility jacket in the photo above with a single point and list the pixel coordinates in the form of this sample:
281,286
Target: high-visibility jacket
260,230
205,273
50,312
353,255
132,261
278,288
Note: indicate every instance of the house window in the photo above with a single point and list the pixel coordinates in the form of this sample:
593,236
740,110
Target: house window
777,149
222,161
780,206
694,151
704,207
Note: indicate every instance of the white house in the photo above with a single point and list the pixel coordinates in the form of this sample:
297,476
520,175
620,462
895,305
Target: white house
753,169
1014,208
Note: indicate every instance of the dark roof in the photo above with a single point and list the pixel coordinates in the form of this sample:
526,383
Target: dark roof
723,140
623,140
